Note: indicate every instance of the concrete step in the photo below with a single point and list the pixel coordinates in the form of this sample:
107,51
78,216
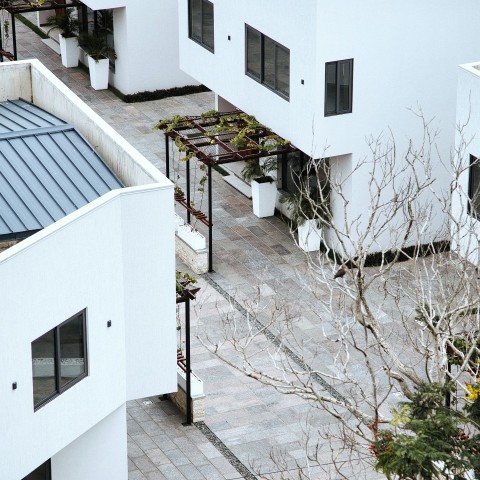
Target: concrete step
238,184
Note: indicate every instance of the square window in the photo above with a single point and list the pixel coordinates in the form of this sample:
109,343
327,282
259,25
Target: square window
338,87
59,359
201,23
267,62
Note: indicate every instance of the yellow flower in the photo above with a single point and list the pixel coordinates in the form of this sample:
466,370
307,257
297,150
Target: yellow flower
473,390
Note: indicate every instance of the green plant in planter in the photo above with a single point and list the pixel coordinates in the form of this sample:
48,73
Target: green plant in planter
259,171
96,46
307,204
66,23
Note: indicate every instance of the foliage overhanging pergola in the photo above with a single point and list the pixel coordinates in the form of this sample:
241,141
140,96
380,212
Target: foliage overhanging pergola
218,138
185,293
14,7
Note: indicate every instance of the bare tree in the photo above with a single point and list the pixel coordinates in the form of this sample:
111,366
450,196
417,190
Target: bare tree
398,307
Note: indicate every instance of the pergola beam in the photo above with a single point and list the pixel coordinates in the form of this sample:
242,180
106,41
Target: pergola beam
26,7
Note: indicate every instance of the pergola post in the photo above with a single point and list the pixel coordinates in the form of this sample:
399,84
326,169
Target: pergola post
14,37
167,156
210,220
188,189
187,358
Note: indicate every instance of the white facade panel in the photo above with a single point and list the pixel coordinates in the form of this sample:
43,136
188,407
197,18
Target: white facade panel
101,452
76,263
148,273
146,44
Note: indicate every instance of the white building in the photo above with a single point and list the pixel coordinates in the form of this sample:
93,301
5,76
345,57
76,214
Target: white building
95,287
465,194
328,76
145,37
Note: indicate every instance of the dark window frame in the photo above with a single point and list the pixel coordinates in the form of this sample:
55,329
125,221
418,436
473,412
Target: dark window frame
261,78
59,388
89,21
202,26
337,63
47,467
472,209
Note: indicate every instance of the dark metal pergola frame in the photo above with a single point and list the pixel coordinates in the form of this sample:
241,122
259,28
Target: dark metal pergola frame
184,297
26,6
198,135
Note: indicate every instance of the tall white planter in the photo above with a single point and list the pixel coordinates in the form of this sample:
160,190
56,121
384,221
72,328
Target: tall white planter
98,73
264,196
69,51
309,236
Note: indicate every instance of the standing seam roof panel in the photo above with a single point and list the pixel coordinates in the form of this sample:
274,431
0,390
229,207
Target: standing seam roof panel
47,170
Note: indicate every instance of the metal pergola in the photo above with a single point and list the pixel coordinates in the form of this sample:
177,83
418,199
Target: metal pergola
26,6
184,297
201,136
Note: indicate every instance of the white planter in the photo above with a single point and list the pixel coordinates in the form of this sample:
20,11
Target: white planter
190,236
309,236
263,198
98,73
69,51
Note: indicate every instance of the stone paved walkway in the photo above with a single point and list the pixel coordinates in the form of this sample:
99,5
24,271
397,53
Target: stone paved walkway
249,254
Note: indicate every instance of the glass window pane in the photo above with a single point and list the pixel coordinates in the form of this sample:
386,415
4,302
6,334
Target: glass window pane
344,87
283,70
253,53
269,62
72,352
331,88
196,19
208,36
43,367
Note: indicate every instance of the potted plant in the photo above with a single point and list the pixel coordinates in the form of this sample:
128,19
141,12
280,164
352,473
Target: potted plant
99,55
307,208
68,26
264,189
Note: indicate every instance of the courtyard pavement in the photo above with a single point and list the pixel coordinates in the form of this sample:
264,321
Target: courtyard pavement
245,421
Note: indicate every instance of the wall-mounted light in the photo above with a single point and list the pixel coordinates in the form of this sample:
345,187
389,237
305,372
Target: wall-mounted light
109,323
229,37
302,81
14,385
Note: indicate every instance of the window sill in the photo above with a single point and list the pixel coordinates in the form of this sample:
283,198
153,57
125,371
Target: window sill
206,47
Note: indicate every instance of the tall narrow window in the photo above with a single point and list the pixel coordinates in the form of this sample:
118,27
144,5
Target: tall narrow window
338,87
254,53
267,61
201,23
473,207
59,359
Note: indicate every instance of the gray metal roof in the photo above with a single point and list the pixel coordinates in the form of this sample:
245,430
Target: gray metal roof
21,115
46,171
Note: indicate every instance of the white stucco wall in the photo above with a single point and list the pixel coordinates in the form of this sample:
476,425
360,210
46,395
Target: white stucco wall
146,43
465,228
403,61
101,452
114,257
90,259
